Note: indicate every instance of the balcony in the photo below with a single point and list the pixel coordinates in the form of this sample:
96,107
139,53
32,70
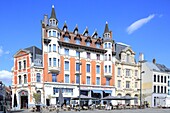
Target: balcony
54,69
108,75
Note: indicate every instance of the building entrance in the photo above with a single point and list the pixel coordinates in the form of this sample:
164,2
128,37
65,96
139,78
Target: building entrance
23,99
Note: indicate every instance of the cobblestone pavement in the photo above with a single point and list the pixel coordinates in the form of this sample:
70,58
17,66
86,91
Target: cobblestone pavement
148,110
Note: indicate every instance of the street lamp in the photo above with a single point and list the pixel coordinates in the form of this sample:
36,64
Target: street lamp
79,50
141,81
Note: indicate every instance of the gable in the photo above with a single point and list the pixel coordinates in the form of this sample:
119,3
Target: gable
21,53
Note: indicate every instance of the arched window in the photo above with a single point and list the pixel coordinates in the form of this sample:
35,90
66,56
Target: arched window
158,78
154,78
109,57
105,57
25,79
19,77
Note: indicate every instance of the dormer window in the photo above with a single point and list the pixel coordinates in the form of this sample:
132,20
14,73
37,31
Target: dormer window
75,32
66,39
87,43
65,29
77,41
98,45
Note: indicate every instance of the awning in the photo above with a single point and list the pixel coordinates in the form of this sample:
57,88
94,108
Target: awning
97,91
107,91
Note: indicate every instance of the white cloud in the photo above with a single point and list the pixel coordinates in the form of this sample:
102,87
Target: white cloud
6,77
3,52
139,23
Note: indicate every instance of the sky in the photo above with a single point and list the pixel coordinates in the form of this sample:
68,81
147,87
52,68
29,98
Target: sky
142,24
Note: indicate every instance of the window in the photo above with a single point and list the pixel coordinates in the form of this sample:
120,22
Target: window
25,79
164,79
87,80
88,68
58,62
127,72
119,71
136,73
77,41
107,81
58,49
105,68
127,84
49,33
105,57
109,57
54,33
154,89
77,53
54,62
109,45
98,56
24,64
49,61
54,47
77,79
161,79
97,80
49,49
77,67
168,91
164,89
38,77
88,55
54,77
87,43
136,84
66,65
127,58
67,78
97,69
154,78
66,39
109,69
97,45
158,91
66,51
158,78
168,83
119,84
19,65
105,45
19,77
161,89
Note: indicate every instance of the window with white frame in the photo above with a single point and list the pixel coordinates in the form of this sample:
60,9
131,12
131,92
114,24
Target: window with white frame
98,56
127,58
67,78
97,69
136,84
97,80
109,45
88,68
66,39
154,89
164,79
77,79
19,64
87,80
105,45
49,33
107,81
49,48
128,72
161,89
119,71
136,73
158,89
25,78
54,34
77,41
66,68
49,61
54,62
109,68
158,78
54,77
105,68
77,66
127,84
38,77
24,64
168,91
165,89
19,79
154,78
119,83
77,53
54,48
58,62
88,54
66,51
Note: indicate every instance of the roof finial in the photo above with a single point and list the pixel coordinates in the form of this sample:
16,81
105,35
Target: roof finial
52,6
106,22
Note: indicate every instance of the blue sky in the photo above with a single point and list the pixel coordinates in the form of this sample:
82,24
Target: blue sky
143,24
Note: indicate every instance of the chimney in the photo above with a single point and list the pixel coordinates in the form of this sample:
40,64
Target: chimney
154,61
46,19
141,57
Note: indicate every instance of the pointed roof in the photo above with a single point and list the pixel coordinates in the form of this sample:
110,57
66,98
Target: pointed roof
53,15
65,25
86,31
106,30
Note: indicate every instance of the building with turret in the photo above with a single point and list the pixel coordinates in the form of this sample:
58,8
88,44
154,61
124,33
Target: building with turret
66,59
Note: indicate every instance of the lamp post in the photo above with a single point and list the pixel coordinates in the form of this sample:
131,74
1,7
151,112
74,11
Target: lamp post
79,50
141,81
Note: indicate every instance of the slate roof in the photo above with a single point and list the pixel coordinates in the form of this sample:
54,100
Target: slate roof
163,68
157,67
106,30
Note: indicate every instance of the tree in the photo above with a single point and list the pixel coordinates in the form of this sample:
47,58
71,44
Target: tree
37,98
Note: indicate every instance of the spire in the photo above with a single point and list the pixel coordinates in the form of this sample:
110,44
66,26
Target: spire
75,29
65,26
106,28
86,31
53,15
